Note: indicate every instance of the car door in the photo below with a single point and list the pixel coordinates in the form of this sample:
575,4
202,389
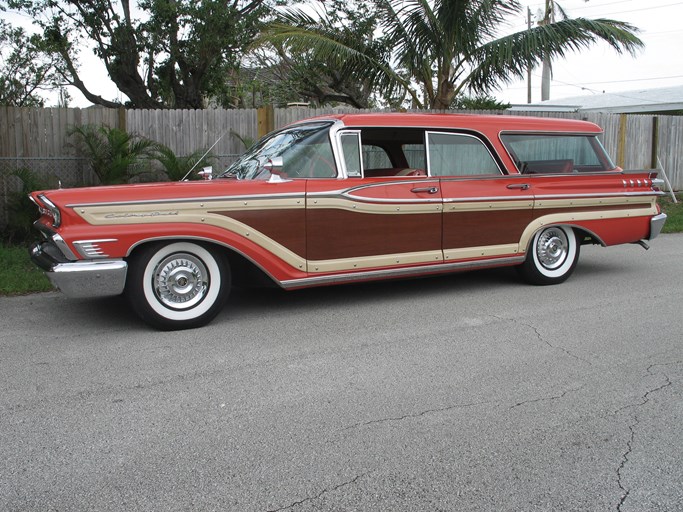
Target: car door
358,223
484,210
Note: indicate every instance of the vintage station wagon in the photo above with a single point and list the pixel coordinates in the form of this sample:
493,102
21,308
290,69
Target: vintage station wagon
348,198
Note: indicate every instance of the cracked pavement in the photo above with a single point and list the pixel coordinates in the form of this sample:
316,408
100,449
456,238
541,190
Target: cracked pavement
470,392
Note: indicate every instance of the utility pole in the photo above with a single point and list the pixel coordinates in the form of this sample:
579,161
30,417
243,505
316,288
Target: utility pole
545,80
528,71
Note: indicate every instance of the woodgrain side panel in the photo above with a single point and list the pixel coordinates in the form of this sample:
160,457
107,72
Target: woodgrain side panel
286,227
336,233
482,228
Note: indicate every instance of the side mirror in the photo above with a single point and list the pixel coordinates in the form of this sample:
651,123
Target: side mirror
274,165
206,173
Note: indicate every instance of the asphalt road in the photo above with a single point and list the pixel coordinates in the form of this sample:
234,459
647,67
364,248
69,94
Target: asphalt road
469,392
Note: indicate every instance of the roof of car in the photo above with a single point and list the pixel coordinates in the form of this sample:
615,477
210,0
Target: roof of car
464,121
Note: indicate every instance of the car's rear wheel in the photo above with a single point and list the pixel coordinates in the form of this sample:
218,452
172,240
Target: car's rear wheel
177,285
552,256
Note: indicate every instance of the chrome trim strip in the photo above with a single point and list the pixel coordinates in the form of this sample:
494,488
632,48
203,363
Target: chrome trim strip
397,273
63,247
480,199
90,249
604,194
656,225
269,197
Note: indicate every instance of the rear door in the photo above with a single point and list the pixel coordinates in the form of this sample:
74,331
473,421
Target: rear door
485,211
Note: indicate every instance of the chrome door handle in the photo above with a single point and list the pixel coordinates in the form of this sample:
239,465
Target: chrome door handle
520,186
428,190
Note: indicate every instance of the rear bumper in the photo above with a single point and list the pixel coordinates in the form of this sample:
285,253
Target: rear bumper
79,279
656,225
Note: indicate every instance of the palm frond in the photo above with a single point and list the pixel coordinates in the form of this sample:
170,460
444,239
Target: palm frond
508,58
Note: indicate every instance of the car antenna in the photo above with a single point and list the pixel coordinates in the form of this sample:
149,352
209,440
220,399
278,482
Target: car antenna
204,155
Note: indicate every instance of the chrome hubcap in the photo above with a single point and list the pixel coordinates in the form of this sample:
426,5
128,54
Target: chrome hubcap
181,281
552,247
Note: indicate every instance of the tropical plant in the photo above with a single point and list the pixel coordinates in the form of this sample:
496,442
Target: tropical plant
443,48
178,167
303,74
114,155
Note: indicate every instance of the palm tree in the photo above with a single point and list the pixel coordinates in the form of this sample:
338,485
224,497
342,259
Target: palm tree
448,46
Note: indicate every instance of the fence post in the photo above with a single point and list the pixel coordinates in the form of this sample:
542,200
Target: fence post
265,117
621,143
122,118
655,143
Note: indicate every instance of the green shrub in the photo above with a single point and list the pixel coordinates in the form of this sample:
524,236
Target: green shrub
115,156
177,167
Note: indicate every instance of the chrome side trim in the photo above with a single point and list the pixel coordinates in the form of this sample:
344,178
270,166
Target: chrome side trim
56,238
251,197
399,272
91,249
63,247
656,225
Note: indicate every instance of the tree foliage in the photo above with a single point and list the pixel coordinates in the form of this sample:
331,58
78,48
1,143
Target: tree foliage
301,72
25,70
159,53
443,48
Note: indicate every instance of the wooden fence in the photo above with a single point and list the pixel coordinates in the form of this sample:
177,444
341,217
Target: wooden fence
39,139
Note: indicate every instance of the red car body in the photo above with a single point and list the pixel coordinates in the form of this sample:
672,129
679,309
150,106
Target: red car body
350,198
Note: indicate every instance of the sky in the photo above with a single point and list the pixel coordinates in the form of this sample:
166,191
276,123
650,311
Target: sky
596,71
601,69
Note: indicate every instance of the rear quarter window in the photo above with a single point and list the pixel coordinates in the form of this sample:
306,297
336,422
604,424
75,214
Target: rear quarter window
556,153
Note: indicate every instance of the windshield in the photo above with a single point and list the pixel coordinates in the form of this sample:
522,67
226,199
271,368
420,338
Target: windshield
305,150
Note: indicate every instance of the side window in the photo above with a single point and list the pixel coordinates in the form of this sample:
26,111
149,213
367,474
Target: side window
556,153
455,154
352,153
375,157
415,155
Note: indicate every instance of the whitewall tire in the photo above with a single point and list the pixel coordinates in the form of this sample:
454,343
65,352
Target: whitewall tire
177,285
552,256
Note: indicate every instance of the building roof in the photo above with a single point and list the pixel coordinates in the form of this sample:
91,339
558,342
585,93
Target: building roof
663,100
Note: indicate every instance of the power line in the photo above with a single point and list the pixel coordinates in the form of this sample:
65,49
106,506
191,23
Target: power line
642,9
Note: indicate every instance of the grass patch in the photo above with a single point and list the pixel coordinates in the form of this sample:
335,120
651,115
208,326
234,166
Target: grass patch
18,275
674,212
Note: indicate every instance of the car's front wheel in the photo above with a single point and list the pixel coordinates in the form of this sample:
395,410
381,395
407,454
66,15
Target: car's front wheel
177,285
552,256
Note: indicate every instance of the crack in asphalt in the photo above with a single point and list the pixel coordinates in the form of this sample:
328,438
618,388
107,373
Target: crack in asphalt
321,493
416,415
541,338
624,459
632,428
546,398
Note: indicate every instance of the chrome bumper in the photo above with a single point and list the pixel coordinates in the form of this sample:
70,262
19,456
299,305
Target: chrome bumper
80,279
656,225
